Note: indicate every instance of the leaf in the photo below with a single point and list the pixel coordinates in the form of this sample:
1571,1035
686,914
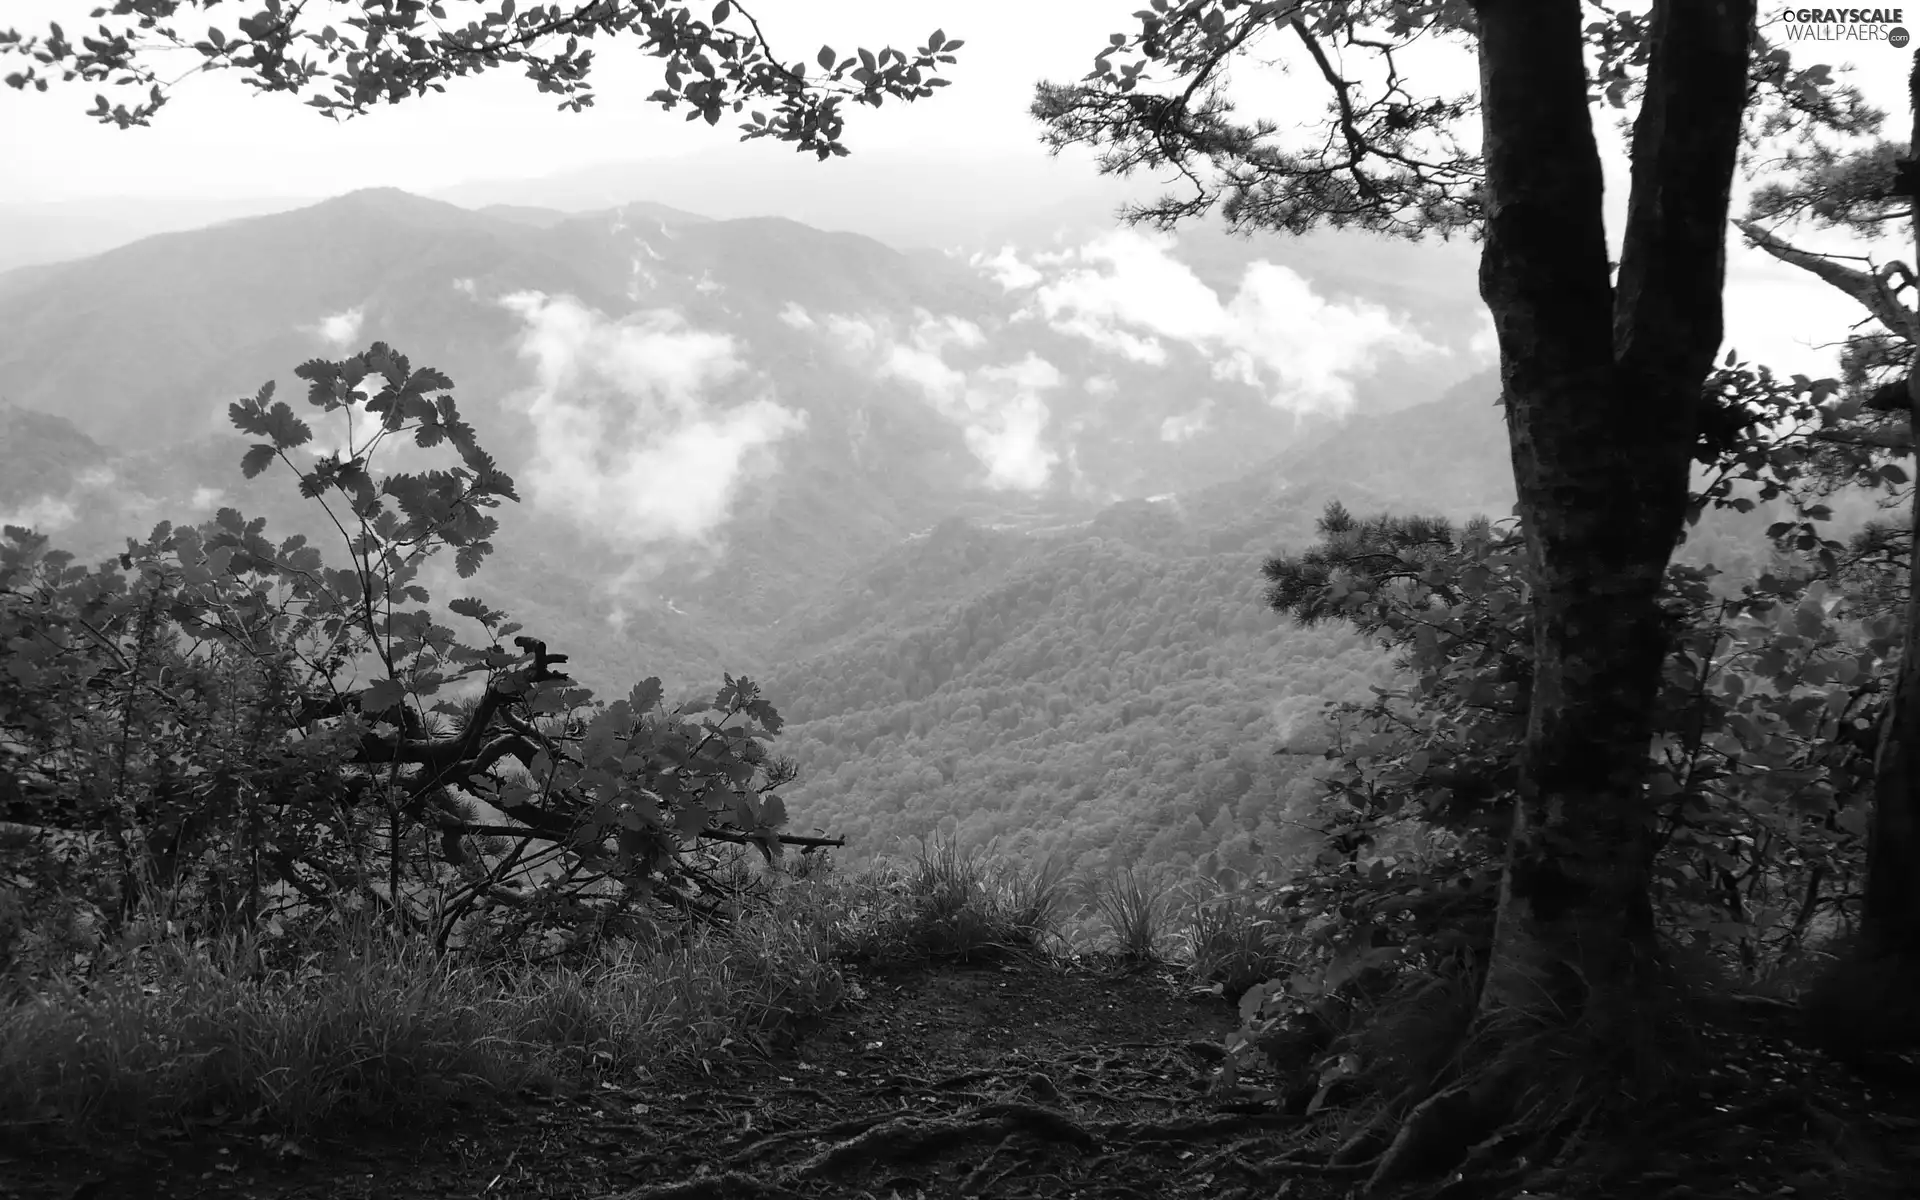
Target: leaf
825,58
645,695
470,606
722,11
691,820
381,696
773,811
257,459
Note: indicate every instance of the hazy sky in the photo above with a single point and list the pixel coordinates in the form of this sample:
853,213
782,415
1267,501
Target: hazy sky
218,139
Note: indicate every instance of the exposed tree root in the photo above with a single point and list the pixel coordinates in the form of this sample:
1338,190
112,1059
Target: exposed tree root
985,1176
728,1185
1312,1166
908,1137
773,1141
1202,1127
891,1137
1441,1130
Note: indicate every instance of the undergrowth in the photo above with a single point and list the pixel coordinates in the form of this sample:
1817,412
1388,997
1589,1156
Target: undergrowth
380,1029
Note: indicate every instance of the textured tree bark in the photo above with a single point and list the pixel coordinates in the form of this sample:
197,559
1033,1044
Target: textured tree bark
1602,389
1890,917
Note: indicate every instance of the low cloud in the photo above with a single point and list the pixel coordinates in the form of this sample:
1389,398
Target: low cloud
1007,269
1126,293
1008,423
48,514
342,328
1485,343
796,316
1182,426
639,427
999,409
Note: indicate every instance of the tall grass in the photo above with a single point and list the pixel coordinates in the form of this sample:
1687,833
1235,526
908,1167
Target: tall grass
1136,911
379,1029
942,904
1235,942
385,1031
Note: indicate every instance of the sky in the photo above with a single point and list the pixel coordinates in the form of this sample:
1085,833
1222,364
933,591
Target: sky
217,139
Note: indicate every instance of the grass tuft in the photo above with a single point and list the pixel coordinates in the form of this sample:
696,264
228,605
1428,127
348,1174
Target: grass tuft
942,904
1235,943
1136,911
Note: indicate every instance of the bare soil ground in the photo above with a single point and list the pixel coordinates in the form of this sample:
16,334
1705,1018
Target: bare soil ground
1021,1079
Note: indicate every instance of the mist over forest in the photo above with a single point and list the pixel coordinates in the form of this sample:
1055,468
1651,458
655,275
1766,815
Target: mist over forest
987,521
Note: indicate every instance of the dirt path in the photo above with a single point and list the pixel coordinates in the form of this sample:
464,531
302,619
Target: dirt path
1021,1079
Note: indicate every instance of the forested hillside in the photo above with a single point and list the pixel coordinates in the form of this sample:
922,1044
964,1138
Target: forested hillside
1116,693
713,423
1104,697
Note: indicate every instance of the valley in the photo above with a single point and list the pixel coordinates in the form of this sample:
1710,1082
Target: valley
987,524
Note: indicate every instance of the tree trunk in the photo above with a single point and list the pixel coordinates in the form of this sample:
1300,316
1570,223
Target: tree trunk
1602,389
1890,918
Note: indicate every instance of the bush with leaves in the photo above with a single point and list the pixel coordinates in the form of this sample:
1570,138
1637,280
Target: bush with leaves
220,727
1764,725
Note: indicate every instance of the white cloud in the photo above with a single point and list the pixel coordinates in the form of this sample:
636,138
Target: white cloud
1181,426
206,497
952,329
629,434
1009,421
1007,269
1485,343
853,334
923,363
1101,385
998,408
45,515
340,328
1126,293
796,316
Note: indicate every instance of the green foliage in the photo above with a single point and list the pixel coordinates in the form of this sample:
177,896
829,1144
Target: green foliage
378,1028
1237,938
228,732
1383,157
389,52
946,904
1135,910
1104,696
1764,725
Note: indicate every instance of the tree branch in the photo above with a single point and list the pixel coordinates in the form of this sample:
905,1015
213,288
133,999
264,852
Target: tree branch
1869,290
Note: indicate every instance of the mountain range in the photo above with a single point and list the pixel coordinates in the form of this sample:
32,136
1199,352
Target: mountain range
988,520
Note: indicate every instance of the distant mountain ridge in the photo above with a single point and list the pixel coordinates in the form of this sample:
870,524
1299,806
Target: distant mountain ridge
996,517
988,528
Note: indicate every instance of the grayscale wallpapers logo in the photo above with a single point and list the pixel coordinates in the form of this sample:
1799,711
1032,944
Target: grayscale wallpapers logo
1846,25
